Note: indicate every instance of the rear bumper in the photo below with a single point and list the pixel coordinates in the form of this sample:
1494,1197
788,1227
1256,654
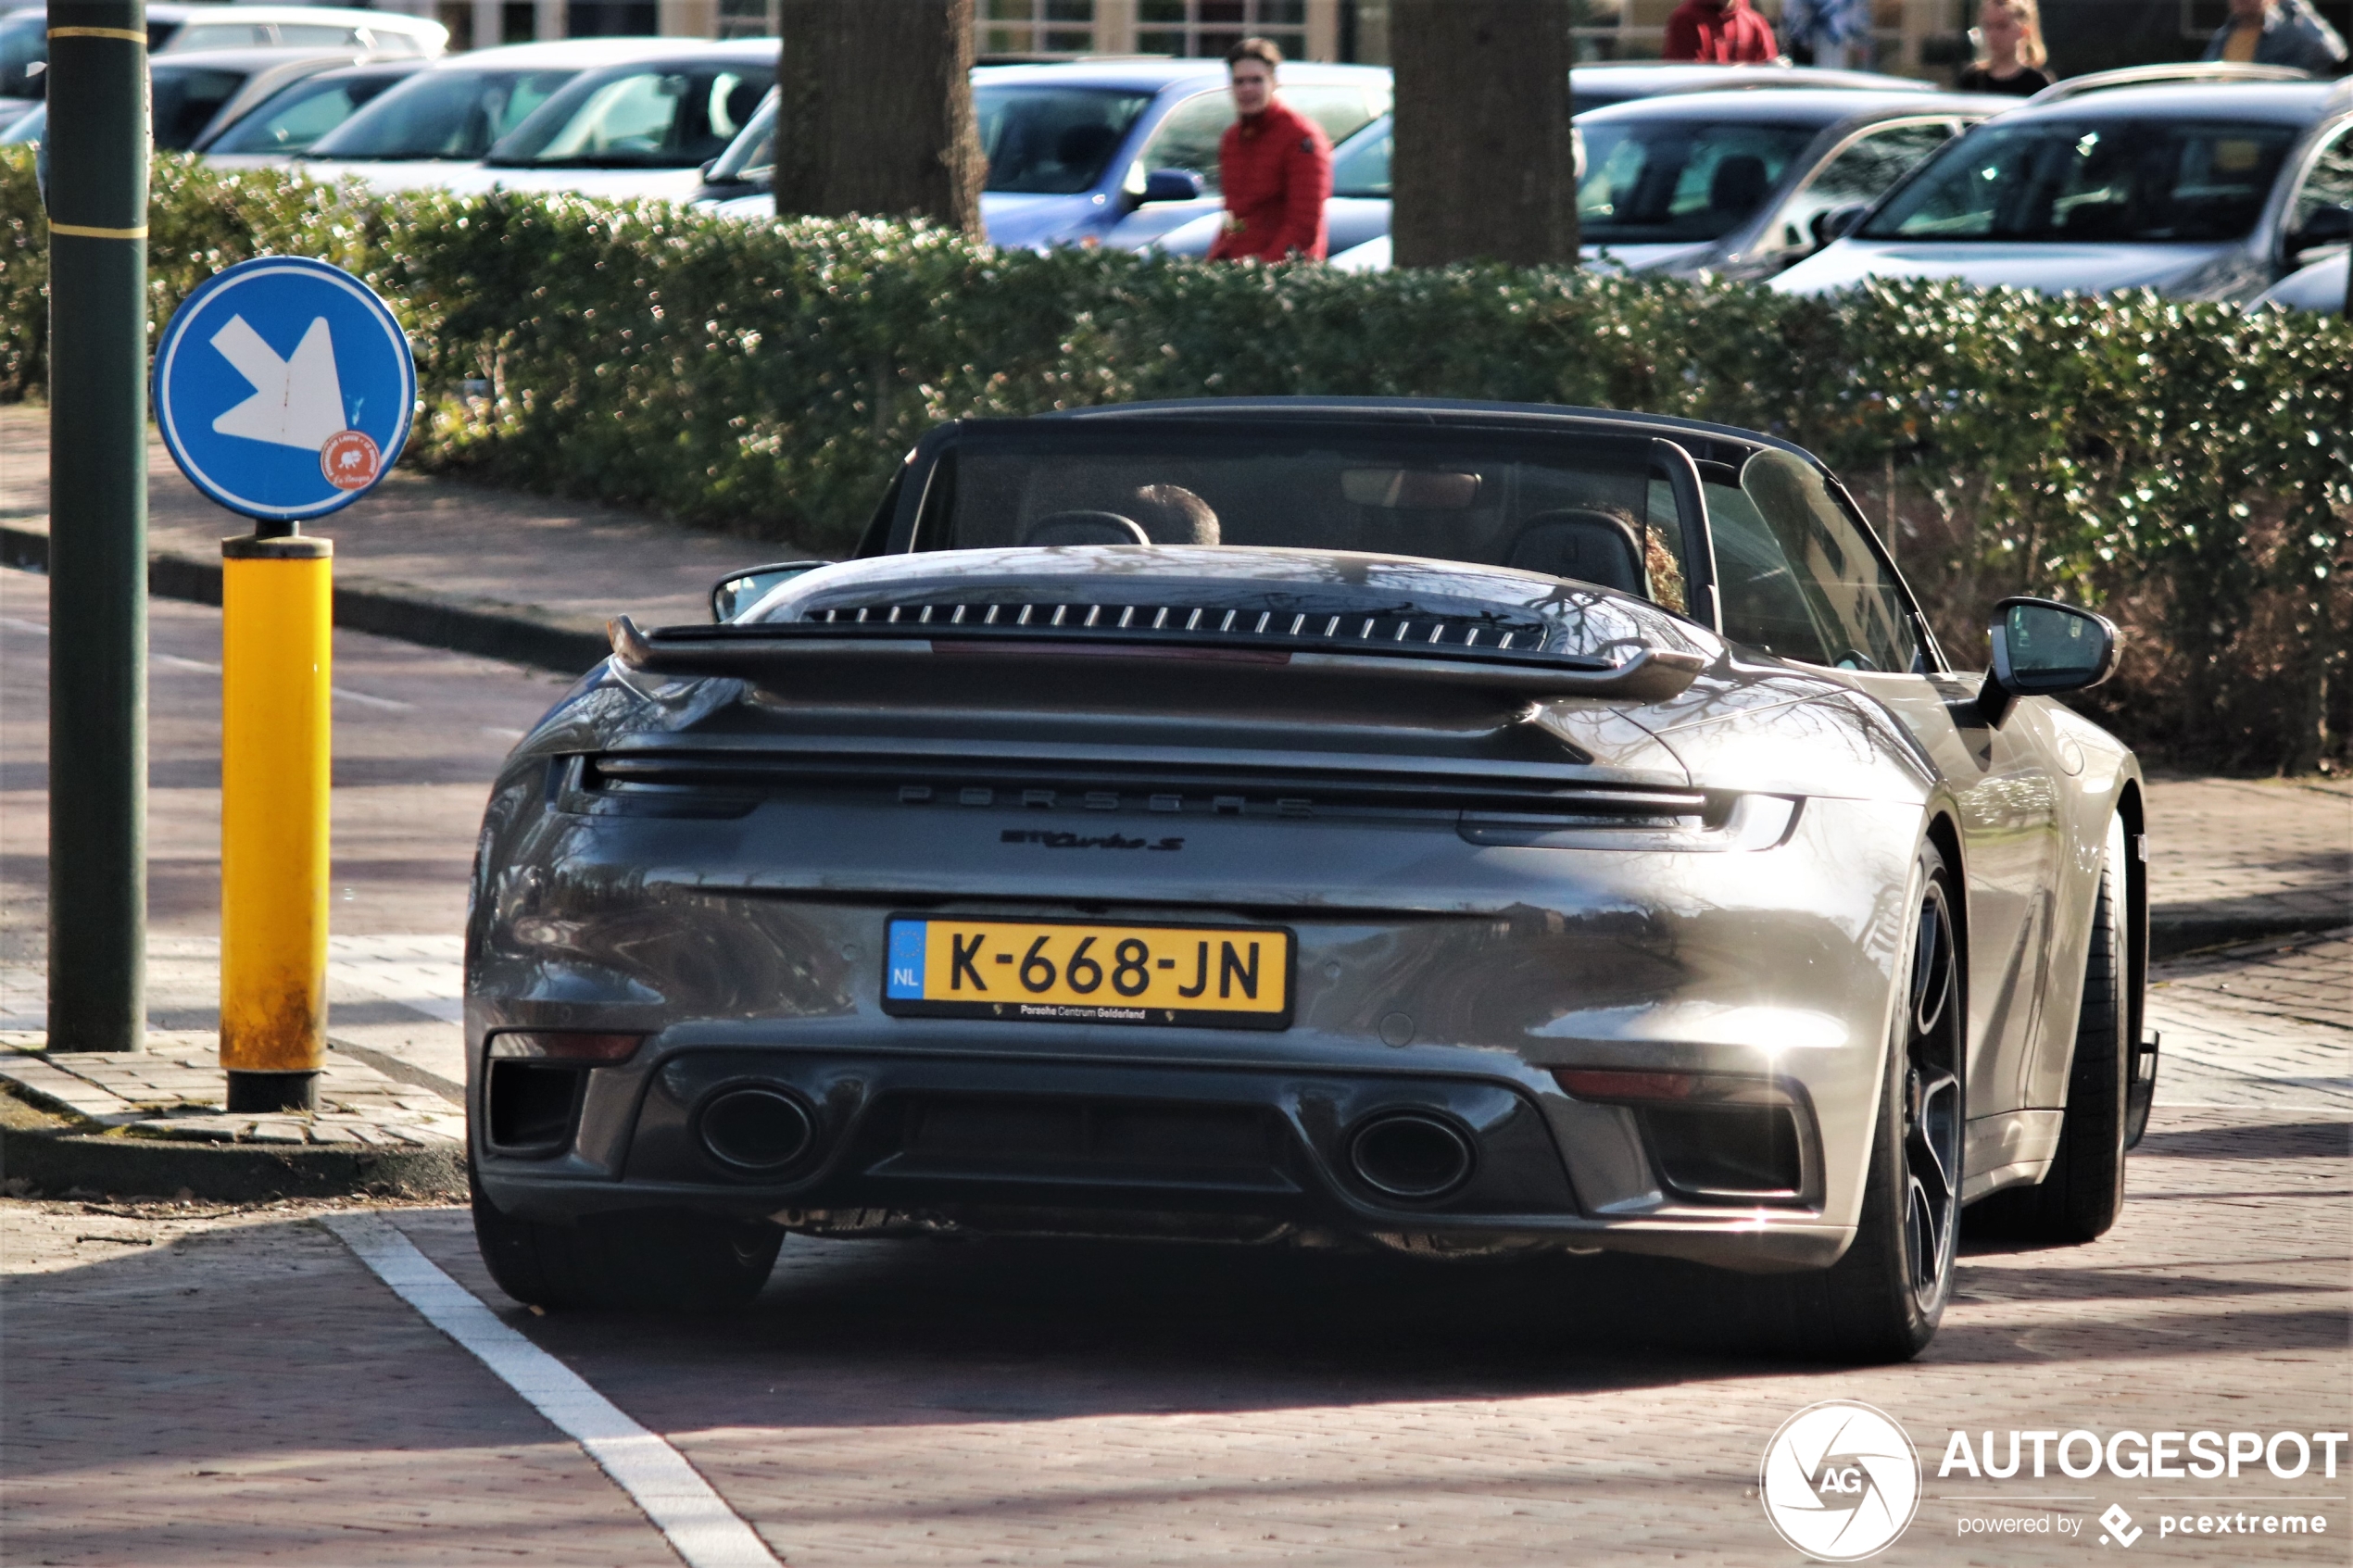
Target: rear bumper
1138,1145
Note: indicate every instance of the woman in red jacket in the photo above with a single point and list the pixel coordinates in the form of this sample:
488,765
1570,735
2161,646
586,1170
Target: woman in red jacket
1275,166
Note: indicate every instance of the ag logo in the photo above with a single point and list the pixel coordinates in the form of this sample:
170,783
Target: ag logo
1840,1481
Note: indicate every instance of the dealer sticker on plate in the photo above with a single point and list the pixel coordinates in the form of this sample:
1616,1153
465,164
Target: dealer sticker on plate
1086,971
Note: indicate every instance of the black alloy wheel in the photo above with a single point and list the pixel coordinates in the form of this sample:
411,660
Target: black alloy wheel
1932,1105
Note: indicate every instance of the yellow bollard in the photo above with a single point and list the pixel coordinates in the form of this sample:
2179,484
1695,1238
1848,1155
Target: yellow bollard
277,603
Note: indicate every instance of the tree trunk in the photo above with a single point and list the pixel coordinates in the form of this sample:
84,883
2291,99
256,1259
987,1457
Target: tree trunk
874,111
1484,167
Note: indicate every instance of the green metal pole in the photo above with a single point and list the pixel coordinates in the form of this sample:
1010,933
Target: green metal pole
97,196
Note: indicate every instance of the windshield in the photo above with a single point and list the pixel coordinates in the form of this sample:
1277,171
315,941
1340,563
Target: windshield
673,115
1360,165
297,117
751,159
2111,180
186,98
1053,141
24,44
443,114
1597,509
1672,182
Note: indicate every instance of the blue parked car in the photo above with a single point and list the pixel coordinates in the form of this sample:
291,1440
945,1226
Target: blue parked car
1091,152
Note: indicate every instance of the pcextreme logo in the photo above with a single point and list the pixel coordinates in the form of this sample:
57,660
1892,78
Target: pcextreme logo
1840,1481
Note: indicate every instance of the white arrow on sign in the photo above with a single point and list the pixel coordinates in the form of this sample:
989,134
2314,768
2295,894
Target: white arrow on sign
295,402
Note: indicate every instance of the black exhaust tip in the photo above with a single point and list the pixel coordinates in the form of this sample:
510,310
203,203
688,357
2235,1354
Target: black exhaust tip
756,1129
1410,1156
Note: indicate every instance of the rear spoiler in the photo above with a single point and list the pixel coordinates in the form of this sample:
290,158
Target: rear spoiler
819,657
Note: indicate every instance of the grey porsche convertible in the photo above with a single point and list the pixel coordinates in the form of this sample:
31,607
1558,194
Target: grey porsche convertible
1464,829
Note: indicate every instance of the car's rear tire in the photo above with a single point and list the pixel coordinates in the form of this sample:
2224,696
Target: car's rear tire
1883,1300
663,1263
2084,1193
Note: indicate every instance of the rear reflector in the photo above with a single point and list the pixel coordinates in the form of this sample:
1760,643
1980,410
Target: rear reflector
1612,1085
563,1045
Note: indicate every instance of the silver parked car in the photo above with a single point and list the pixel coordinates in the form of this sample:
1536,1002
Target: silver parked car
1734,182
1450,827
2205,191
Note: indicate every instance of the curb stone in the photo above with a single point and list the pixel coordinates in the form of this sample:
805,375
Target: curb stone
518,634
57,1161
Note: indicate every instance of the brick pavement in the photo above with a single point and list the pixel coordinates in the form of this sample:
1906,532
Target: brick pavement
2231,859
174,1090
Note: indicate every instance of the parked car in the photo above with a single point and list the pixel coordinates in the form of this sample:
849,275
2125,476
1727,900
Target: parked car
2201,192
1450,827
1730,182
194,96
286,124
181,28
2168,74
639,119
2319,287
643,129
1093,152
449,115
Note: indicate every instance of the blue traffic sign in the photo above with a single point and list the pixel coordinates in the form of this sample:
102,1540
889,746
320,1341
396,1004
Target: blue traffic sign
284,388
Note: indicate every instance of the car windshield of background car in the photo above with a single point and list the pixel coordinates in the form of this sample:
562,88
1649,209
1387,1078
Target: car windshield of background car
26,128
293,119
674,116
1795,573
1484,497
1189,137
2114,180
1053,141
185,98
443,114
1654,181
2328,182
751,159
1360,166
24,44
1857,174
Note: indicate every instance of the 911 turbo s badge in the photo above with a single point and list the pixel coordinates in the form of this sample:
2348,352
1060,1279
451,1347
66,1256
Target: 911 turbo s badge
1053,840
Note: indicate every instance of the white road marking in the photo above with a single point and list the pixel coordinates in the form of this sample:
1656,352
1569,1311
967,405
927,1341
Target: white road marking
174,661
696,1520
393,703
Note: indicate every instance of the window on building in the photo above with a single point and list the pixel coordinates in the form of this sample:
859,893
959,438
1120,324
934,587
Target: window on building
748,19
1036,27
1206,28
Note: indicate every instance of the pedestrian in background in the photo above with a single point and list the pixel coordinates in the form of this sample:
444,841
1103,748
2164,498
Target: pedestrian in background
2010,55
1275,164
1835,34
2278,33
1727,32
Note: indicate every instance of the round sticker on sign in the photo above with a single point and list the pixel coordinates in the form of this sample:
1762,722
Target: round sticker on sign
350,460
284,388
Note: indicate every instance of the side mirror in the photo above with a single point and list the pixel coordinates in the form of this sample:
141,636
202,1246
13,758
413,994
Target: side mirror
1837,223
2040,648
730,597
1170,185
2322,226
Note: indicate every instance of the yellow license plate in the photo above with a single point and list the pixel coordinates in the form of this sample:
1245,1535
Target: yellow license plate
1085,972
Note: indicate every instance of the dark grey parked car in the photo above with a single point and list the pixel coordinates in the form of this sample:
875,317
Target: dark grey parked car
1456,828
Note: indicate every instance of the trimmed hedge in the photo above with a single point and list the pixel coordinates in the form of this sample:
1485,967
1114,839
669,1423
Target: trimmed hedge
2188,469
